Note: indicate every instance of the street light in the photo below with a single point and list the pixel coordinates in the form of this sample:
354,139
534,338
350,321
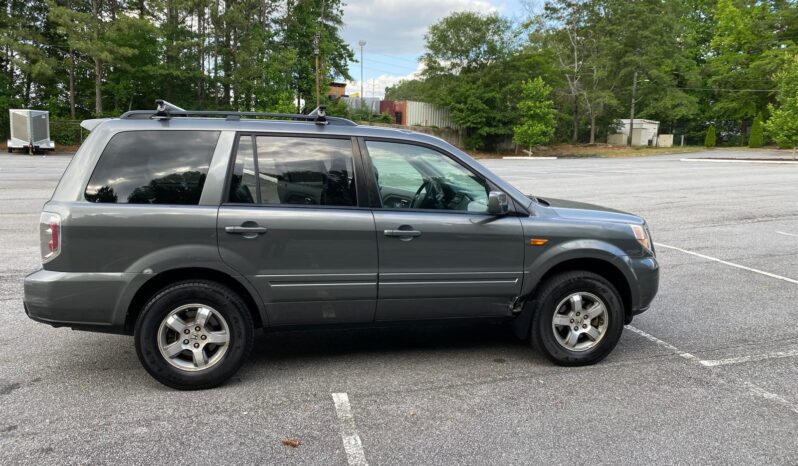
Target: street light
361,43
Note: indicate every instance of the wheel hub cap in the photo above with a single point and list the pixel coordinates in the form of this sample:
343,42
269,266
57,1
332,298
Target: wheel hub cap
193,337
580,321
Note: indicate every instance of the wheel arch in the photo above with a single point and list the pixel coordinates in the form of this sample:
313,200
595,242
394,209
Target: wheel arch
160,280
600,266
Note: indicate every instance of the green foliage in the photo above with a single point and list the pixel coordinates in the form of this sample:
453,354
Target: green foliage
783,123
80,58
711,139
385,118
537,114
757,137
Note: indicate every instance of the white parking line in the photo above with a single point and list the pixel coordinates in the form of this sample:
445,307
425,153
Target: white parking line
352,444
786,234
755,357
664,344
753,388
731,264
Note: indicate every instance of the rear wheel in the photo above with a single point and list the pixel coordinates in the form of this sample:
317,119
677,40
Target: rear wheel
579,318
194,335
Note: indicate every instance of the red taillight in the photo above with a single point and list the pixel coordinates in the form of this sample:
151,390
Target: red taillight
50,235
55,237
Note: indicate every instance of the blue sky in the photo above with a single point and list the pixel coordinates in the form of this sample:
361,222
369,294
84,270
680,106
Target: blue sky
394,34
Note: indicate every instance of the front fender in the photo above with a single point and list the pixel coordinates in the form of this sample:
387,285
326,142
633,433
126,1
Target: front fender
574,250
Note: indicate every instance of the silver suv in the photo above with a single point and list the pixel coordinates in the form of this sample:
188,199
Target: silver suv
189,230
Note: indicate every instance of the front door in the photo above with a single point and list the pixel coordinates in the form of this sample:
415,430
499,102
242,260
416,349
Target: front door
441,254
291,225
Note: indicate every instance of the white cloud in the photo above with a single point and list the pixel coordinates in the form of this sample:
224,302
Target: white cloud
376,87
398,26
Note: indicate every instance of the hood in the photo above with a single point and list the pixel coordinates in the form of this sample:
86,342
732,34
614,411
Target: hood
589,212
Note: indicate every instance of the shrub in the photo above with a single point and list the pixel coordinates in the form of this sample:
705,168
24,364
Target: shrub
710,139
757,138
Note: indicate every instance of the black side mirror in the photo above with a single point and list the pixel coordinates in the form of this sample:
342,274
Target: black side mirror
498,203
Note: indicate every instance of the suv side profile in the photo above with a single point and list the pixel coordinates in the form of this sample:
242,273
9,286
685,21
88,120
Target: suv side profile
190,230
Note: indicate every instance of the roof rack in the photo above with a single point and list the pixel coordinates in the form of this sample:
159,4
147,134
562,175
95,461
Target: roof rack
165,111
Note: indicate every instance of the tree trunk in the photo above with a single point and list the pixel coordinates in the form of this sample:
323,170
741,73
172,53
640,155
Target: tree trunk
72,83
575,136
98,81
592,129
98,65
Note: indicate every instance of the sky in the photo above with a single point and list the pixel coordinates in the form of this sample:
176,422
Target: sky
394,34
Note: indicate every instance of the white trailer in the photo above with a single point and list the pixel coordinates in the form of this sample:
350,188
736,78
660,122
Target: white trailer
30,131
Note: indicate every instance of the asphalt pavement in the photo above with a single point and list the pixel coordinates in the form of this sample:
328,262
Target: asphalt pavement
707,376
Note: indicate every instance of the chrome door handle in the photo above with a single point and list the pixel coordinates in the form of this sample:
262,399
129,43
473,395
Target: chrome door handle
239,230
402,233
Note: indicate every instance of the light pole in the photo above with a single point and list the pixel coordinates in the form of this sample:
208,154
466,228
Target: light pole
361,43
632,116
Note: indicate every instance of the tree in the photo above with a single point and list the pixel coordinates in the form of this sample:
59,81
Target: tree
710,139
537,114
757,137
783,123
468,70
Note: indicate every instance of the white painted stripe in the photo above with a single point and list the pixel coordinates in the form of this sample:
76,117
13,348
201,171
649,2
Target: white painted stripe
755,389
777,162
731,264
786,234
352,444
754,357
664,344
759,391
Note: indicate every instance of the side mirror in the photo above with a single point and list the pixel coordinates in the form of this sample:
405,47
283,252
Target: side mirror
497,203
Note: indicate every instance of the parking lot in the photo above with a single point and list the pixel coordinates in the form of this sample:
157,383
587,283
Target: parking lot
707,376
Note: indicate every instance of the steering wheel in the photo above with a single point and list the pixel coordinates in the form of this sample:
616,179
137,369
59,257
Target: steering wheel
433,188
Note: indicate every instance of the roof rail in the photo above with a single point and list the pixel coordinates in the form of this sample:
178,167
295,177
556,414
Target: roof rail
165,111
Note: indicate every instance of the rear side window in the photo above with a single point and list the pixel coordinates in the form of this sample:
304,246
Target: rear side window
153,167
294,170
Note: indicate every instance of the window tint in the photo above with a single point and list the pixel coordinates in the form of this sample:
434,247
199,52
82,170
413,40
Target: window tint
415,177
308,171
153,167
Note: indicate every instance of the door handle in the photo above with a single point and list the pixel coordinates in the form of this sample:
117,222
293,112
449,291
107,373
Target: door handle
248,232
402,233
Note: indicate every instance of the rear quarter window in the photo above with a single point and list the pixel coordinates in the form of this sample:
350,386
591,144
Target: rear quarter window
153,167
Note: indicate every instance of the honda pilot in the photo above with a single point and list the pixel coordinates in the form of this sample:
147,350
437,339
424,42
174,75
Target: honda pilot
189,230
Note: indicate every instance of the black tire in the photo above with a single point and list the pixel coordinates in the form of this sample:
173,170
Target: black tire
551,294
226,302
10,150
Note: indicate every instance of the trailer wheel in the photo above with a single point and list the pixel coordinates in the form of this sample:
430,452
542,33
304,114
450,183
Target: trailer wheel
10,150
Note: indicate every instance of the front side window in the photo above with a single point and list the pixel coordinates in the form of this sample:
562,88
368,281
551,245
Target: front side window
153,167
416,177
294,170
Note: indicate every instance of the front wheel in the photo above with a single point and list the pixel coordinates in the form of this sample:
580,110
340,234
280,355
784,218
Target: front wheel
194,335
578,320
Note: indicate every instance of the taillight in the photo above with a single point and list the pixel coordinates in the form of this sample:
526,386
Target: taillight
49,235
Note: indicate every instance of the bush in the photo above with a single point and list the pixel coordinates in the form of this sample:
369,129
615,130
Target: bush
711,138
757,138
385,118
67,132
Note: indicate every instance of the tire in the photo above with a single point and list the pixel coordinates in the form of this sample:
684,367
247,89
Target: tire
224,316
596,336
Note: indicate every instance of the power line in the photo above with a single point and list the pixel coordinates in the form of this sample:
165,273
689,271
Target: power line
725,90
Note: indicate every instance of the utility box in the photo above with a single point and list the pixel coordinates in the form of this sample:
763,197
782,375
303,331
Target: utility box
644,132
30,131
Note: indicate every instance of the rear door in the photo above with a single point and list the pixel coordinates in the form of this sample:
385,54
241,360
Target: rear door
291,224
441,255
